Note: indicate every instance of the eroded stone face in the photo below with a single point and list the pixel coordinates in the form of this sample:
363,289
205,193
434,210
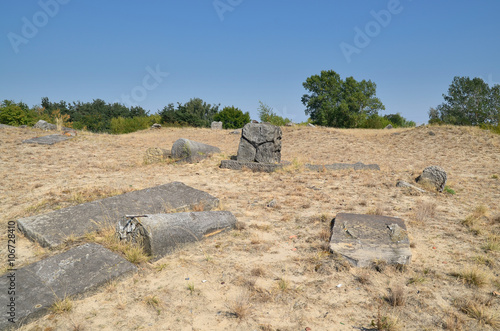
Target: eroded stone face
260,142
434,176
364,239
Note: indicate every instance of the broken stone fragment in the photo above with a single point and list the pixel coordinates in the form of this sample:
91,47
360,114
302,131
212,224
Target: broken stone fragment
192,151
161,234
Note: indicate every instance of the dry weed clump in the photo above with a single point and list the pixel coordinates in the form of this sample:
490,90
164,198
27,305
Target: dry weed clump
479,309
396,296
241,308
472,276
424,211
62,306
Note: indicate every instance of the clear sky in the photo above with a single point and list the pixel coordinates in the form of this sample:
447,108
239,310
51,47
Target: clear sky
237,52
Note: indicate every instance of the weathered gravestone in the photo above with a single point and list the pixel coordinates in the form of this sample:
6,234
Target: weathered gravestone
216,125
433,176
47,140
77,271
365,239
192,151
53,228
260,142
160,234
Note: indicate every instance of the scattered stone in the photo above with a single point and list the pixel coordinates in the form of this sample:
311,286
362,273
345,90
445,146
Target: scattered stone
156,126
431,133
161,234
272,204
238,131
192,151
289,124
389,126
155,155
433,175
341,166
80,270
41,124
47,140
260,143
364,239
5,126
24,126
51,229
216,125
311,125
254,121
402,183
254,166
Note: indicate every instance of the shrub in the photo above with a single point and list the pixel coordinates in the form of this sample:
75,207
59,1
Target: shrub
126,125
232,118
266,114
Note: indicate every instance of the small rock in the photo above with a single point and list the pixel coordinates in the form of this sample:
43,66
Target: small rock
41,124
311,125
156,126
216,125
434,176
272,204
431,133
235,132
389,126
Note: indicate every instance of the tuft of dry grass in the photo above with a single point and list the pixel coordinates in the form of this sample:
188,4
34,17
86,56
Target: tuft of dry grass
62,306
241,308
478,309
472,276
424,211
258,272
364,277
396,296
154,302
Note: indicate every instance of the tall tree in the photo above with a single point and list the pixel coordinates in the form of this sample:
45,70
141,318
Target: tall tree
468,102
340,103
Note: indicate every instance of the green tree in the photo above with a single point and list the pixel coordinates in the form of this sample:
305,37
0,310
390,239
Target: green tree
468,102
195,113
340,103
232,118
266,114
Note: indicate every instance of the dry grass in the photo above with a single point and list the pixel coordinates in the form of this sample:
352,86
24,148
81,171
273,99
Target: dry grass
241,308
479,309
38,179
62,306
397,296
472,276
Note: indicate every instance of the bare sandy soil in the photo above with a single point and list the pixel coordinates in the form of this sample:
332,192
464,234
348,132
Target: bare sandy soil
275,272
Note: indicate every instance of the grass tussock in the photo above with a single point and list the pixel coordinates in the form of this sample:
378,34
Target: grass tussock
241,308
472,276
396,296
425,211
479,308
62,306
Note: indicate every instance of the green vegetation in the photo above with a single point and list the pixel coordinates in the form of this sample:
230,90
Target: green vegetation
195,113
469,102
266,114
232,118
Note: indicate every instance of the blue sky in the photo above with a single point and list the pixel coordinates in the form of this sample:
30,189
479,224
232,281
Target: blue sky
237,52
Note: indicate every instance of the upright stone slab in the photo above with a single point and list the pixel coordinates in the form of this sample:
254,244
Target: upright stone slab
80,270
47,140
51,229
216,125
364,239
192,151
160,234
260,142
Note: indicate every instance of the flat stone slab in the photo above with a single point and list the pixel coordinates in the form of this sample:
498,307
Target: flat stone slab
5,126
51,229
77,271
340,166
161,234
47,140
254,166
364,239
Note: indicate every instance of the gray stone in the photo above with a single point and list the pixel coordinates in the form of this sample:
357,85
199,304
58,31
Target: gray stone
389,126
192,151
254,166
5,126
434,176
41,124
238,131
260,142
161,234
402,183
156,154
431,133
156,126
47,140
364,239
341,166
216,125
311,125
78,271
51,229
289,124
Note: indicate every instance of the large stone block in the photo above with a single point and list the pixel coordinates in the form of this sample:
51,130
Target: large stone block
260,142
192,151
53,228
160,234
364,239
78,271
216,125
433,176
47,140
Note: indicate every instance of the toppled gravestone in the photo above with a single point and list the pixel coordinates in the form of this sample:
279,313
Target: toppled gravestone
433,176
156,154
192,151
216,125
341,166
48,140
51,230
80,270
260,142
365,239
44,125
161,234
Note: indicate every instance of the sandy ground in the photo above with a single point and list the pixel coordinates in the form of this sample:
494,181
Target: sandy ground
276,273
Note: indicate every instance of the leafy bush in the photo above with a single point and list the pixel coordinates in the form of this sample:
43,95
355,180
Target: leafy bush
266,114
195,113
127,125
15,114
232,118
